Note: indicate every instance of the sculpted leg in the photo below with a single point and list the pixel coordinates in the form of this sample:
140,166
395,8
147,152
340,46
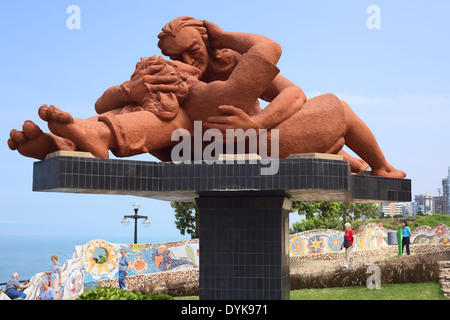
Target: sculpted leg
324,124
125,134
142,131
356,165
361,140
88,134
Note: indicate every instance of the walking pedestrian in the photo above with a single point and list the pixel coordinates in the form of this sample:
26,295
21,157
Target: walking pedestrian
124,267
348,244
405,239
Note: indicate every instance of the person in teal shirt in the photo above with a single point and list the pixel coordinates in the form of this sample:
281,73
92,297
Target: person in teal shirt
406,231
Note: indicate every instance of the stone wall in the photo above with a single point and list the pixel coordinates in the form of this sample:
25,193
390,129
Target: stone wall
157,281
444,276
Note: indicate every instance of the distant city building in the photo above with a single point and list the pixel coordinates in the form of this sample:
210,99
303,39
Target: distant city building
446,194
391,209
424,203
439,204
407,209
429,204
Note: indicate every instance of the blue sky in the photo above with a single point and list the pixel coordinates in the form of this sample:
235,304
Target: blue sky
395,78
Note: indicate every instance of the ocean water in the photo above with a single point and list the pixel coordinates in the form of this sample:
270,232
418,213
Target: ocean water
29,255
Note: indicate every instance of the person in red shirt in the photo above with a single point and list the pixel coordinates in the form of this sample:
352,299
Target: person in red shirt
349,243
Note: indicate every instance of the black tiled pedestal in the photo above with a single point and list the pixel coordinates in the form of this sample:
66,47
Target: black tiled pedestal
244,245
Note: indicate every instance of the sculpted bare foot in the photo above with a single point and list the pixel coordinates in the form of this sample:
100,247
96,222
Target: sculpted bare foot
34,143
358,165
88,134
389,172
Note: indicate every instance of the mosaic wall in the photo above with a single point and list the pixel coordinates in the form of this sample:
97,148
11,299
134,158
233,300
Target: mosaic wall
370,236
439,234
145,259
316,241
328,241
83,271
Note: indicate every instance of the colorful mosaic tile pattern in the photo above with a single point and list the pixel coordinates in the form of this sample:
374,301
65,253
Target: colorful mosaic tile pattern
440,234
84,269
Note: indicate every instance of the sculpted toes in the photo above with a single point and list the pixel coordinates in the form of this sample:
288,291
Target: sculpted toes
57,115
52,113
18,137
12,145
64,117
31,130
43,112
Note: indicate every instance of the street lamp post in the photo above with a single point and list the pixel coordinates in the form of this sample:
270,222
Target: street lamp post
126,222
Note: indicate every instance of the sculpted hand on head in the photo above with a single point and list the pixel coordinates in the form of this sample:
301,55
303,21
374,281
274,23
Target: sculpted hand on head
160,86
188,40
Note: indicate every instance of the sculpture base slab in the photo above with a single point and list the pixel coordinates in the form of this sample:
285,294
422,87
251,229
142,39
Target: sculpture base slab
299,179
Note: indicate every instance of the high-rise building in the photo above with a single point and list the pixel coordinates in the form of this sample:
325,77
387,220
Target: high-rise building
446,194
407,209
391,209
424,203
439,204
429,204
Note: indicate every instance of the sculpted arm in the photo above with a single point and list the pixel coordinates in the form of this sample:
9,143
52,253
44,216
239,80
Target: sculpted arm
285,99
284,96
243,42
113,98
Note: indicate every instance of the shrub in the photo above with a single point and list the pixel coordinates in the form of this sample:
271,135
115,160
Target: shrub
160,296
110,293
394,272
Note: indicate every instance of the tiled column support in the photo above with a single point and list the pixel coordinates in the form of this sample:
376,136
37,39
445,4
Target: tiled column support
244,248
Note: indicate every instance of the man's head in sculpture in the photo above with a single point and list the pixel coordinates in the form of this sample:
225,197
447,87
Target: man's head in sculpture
185,39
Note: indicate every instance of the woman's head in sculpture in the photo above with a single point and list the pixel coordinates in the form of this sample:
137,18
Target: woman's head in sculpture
168,87
185,39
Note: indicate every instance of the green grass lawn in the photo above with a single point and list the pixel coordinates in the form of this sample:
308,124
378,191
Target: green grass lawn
407,291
